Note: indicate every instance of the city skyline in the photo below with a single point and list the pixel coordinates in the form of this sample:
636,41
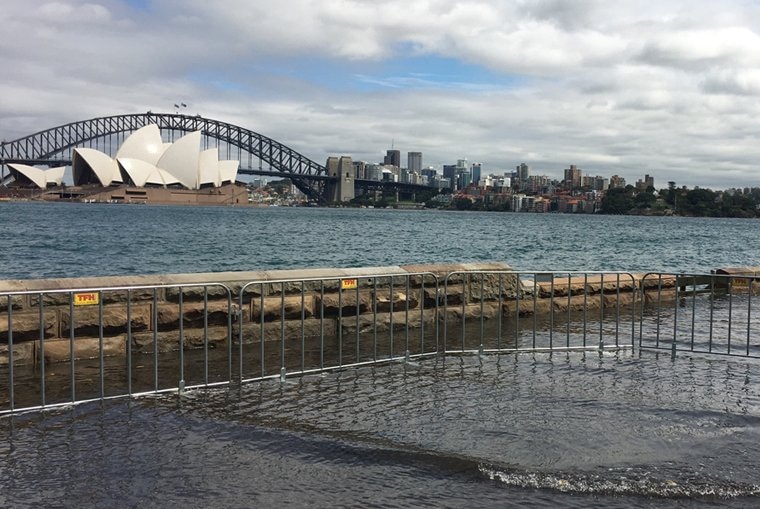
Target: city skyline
665,88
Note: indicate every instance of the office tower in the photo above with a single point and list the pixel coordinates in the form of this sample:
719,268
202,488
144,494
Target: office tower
414,161
392,158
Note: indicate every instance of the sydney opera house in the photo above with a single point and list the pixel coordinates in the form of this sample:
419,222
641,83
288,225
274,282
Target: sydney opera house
144,170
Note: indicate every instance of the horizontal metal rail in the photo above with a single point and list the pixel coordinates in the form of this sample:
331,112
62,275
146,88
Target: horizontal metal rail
74,345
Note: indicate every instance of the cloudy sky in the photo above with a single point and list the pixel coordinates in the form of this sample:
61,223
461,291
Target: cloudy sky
669,88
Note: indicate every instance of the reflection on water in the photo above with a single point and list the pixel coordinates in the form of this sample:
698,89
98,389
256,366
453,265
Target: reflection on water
569,429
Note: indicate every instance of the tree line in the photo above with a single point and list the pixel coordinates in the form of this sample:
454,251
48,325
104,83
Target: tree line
697,202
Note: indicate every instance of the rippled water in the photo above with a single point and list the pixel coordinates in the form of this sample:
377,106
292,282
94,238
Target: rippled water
568,430
72,239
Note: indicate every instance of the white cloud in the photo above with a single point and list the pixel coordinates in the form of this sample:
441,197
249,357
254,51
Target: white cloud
666,88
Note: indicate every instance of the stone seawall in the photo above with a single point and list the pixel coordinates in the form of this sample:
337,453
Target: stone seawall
154,313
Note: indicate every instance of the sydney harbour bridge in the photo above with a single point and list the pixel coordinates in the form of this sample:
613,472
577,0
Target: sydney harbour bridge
258,154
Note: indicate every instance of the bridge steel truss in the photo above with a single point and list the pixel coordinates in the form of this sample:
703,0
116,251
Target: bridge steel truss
41,148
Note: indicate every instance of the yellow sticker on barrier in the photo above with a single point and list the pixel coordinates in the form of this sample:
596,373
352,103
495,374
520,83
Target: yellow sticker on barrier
86,299
348,284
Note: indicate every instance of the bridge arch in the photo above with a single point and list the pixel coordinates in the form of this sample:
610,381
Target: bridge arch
53,146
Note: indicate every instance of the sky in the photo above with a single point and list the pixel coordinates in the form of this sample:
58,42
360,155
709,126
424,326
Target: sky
665,88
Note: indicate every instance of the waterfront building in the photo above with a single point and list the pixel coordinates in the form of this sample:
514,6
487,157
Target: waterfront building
392,158
145,160
573,177
616,182
414,161
645,183
475,170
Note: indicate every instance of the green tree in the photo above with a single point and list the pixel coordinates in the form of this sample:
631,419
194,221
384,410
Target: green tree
618,201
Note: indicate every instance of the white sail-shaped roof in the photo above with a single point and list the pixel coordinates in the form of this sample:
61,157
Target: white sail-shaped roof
54,175
138,171
144,144
104,168
36,175
228,171
209,167
182,160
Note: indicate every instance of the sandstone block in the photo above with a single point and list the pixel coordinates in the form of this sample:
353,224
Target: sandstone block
273,331
16,302
23,353
345,304
382,322
168,341
197,293
384,302
273,308
451,296
167,315
58,350
26,325
87,320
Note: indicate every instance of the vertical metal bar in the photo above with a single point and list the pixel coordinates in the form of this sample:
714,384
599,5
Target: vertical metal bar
322,325
749,312
422,314
551,314
466,281
517,310
535,300
659,308
340,322
569,306
11,389
42,349
482,318
693,308
205,335
303,326
239,317
358,344
101,360
72,360
129,342
154,325
406,318
674,344
181,384
261,329
617,307
374,320
712,312
601,311
445,311
282,326
501,310
585,307
391,317
730,310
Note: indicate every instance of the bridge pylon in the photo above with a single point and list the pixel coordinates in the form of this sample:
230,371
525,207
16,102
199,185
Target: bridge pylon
341,188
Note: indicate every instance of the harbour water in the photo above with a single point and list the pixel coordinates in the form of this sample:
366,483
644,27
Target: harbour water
69,240
626,429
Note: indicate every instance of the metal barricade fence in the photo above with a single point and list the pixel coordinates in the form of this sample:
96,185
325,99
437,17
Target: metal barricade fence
300,326
698,313
74,345
77,349
512,311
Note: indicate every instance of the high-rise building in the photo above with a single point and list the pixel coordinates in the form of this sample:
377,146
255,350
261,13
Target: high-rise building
573,177
475,172
523,172
414,161
392,158
617,182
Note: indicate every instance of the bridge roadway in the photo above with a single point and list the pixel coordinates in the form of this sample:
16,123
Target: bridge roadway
52,147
